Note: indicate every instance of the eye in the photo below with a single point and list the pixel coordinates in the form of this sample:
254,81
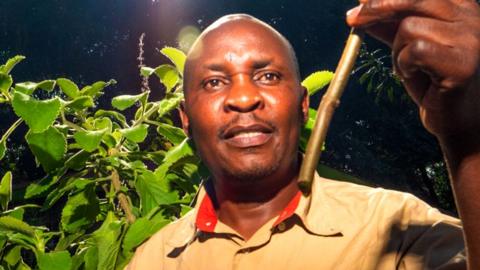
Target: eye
213,84
269,77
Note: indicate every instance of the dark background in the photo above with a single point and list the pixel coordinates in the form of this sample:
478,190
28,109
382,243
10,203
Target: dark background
372,138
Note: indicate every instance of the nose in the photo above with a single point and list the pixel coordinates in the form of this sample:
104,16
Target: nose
244,95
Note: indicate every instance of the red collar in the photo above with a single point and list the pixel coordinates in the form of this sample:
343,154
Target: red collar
207,218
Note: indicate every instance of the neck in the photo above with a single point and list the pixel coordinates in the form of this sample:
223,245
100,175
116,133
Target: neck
246,207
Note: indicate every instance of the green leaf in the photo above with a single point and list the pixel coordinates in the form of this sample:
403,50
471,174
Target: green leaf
76,184
168,104
146,71
27,241
96,88
11,63
80,103
22,266
185,209
152,192
176,56
11,224
391,97
40,187
317,81
57,260
3,148
89,140
173,155
173,134
13,256
168,75
5,82
141,230
135,134
6,190
49,147
77,161
307,129
80,210
29,110
68,87
126,101
91,257
66,240
29,87
17,213
106,241
113,114
103,123
366,75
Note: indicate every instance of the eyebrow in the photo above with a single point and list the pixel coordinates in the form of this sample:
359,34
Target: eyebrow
215,67
257,64
261,63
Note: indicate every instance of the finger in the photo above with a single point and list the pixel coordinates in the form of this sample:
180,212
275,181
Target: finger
422,61
375,11
434,31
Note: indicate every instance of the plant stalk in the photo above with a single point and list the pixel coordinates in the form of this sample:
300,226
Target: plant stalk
11,129
122,198
117,186
328,104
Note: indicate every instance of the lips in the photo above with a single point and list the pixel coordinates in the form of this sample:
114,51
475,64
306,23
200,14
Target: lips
244,136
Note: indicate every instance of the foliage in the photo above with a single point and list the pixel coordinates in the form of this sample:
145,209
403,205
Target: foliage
113,182
92,159
378,76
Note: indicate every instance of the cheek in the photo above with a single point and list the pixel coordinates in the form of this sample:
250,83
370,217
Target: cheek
287,107
272,100
204,117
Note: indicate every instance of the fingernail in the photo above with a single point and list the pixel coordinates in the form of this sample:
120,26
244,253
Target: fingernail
354,11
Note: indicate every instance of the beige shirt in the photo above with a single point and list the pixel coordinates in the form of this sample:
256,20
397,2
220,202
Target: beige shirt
340,226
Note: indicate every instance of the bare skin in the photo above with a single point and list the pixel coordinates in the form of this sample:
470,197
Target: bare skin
436,51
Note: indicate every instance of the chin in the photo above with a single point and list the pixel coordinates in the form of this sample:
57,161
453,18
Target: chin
252,171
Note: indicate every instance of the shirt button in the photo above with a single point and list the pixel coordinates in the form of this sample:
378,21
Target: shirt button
281,226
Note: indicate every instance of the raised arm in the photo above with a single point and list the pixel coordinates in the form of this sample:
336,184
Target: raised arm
436,52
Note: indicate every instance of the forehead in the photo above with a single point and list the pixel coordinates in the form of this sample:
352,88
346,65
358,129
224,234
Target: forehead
239,40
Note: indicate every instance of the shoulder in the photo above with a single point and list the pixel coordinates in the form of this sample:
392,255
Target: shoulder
390,204
175,234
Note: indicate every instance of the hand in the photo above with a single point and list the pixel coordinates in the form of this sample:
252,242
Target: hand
436,52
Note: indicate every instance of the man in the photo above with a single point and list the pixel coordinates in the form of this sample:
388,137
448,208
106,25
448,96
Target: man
244,107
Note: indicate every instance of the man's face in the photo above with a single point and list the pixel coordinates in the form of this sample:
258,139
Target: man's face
243,102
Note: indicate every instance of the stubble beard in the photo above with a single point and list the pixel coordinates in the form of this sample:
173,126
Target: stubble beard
253,173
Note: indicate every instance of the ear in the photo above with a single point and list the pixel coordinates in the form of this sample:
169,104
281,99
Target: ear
184,119
305,104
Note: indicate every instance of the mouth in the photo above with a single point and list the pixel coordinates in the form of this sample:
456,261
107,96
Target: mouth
244,136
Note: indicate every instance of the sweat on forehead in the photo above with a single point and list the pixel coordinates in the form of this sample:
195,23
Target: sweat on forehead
239,25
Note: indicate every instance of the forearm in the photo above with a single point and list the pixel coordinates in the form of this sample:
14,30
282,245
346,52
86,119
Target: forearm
462,155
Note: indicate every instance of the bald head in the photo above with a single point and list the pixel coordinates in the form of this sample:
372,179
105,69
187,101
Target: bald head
238,25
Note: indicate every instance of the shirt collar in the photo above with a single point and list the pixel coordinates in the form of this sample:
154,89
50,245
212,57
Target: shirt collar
316,211
206,218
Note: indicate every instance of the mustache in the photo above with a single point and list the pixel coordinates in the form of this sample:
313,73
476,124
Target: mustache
239,119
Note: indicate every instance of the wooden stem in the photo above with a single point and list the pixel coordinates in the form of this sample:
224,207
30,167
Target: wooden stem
117,186
122,198
330,101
